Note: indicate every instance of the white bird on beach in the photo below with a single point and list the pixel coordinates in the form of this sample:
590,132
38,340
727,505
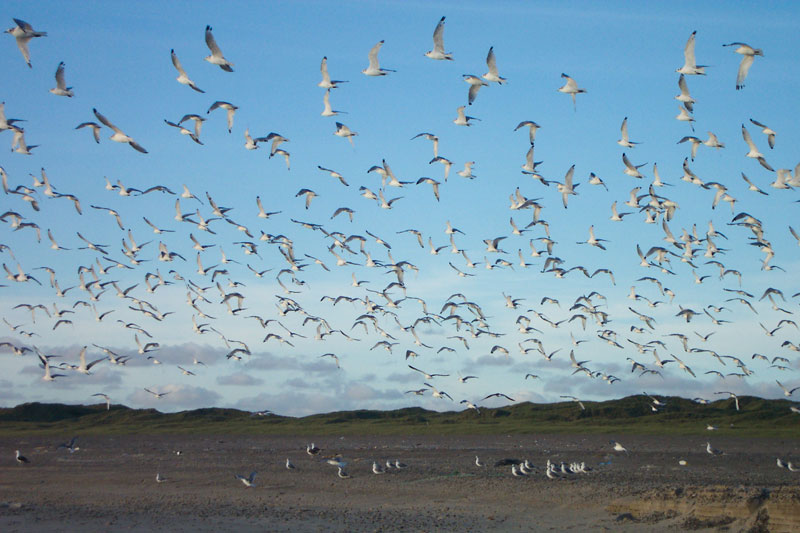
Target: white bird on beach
159,478
216,57
290,465
713,451
749,55
21,459
619,447
342,474
119,136
438,44
61,88
248,481
374,68
23,33
478,462
376,468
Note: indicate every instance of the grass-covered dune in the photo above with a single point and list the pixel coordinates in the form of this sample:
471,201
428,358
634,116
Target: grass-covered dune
632,415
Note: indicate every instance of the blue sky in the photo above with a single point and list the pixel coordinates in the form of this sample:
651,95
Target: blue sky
625,56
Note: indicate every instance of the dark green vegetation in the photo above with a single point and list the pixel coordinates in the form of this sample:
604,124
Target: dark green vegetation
631,415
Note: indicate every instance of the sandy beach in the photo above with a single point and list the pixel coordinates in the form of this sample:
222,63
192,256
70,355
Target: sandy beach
110,484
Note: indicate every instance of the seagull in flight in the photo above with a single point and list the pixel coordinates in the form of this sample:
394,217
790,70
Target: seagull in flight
499,395
183,78
427,376
766,130
749,55
344,132
327,82
248,481
625,140
690,66
374,68
786,392
61,88
158,395
230,108
438,44
23,33
216,57
574,399
438,394
118,136
462,119
106,397
571,88
493,74
754,153
732,395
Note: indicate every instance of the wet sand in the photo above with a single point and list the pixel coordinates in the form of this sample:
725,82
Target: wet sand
109,484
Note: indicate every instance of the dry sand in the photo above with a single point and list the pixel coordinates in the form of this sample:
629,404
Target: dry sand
109,485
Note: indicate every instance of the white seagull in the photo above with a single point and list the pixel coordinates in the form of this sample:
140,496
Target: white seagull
183,78
23,33
61,88
230,108
216,57
374,68
327,82
248,481
571,88
625,140
438,43
462,119
344,132
118,136
749,55
690,66
493,74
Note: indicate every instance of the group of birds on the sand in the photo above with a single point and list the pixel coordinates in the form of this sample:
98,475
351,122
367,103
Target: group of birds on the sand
390,317
519,468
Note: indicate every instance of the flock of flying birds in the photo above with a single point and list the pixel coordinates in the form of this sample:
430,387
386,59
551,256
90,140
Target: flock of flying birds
388,316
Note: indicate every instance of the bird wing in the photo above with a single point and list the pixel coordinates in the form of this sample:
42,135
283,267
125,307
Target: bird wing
212,43
688,51
438,37
373,56
744,67
105,121
323,68
176,63
60,83
491,62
